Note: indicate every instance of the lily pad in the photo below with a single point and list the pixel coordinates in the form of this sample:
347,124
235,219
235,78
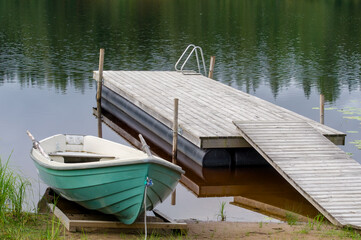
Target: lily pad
357,143
350,110
346,112
354,117
352,131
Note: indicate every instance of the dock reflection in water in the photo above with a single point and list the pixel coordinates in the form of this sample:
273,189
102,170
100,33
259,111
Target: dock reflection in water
259,188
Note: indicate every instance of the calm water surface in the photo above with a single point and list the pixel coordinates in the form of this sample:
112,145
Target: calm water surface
286,52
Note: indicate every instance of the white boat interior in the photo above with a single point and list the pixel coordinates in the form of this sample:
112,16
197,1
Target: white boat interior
80,149
68,152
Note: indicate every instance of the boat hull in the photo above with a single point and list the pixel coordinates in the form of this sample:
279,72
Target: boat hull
116,190
106,176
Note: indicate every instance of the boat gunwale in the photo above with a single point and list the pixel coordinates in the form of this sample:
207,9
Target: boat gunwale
54,165
103,164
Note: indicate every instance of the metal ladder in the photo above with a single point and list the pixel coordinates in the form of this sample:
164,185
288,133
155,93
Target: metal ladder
194,49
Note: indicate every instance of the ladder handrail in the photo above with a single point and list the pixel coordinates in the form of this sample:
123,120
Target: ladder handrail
195,48
180,58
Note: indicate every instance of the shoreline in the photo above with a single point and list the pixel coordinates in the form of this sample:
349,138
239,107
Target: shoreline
230,231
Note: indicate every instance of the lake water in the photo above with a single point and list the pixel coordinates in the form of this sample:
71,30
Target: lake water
286,52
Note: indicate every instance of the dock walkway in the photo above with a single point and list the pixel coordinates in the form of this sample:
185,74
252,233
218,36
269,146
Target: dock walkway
206,107
326,176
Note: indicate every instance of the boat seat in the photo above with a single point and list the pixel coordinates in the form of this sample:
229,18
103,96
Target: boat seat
78,157
80,154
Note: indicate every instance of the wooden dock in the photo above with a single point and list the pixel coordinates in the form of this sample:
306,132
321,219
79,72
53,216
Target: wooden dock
206,111
206,107
218,117
326,176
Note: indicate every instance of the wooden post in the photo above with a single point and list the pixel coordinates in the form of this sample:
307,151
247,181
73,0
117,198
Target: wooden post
100,77
99,92
175,142
211,66
99,114
322,109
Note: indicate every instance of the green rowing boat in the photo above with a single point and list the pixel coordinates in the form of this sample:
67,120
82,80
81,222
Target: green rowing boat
102,175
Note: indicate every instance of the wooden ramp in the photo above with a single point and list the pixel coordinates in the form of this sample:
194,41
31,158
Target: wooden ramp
319,170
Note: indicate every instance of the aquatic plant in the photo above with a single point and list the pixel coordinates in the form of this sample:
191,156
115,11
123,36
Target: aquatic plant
354,117
357,143
352,131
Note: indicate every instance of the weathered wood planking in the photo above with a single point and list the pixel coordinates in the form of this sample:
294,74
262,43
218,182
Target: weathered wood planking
206,107
319,170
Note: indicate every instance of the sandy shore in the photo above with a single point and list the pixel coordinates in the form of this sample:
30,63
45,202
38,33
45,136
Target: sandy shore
231,230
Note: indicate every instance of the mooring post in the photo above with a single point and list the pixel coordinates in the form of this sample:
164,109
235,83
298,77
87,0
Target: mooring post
322,109
175,142
99,92
100,77
211,66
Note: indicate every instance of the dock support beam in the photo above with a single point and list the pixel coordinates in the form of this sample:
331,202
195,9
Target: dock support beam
99,92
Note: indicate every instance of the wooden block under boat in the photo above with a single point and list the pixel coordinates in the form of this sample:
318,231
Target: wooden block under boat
76,218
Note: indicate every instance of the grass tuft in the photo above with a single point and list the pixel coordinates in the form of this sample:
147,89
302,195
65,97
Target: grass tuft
222,213
12,194
15,223
54,227
291,218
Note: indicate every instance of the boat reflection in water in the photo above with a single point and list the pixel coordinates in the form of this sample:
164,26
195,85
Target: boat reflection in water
257,188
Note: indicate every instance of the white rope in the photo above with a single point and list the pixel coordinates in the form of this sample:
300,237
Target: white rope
148,183
145,212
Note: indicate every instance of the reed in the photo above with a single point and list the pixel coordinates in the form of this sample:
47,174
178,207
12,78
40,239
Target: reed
12,193
14,222
6,182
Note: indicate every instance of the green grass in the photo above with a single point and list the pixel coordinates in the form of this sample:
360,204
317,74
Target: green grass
222,213
53,228
12,193
15,223
291,218
319,221
344,233
30,226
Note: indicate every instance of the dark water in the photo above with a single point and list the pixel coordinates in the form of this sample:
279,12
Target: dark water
286,52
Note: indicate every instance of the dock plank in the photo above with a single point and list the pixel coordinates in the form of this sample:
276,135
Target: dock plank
206,107
325,175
